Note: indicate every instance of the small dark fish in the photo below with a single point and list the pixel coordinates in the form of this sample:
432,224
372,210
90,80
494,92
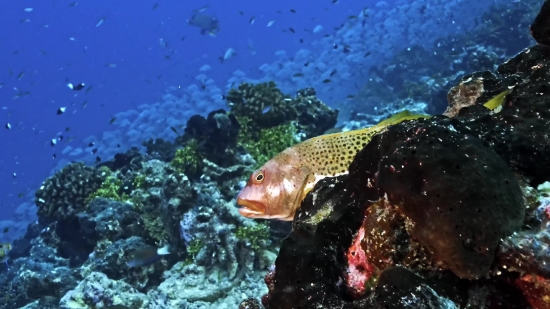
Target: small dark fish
8,126
292,11
298,75
20,76
53,142
61,110
112,120
306,64
252,20
334,1
97,159
241,12
155,6
94,151
350,96
346,50
88,89
333,72
6,229
91,144
335,46
54,156
147,256
326,81
291,30
301,40
76,87
367,54
174,130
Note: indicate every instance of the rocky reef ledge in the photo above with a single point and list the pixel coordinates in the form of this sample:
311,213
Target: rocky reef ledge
446,212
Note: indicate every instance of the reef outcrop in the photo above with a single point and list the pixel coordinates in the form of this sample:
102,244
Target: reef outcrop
435,213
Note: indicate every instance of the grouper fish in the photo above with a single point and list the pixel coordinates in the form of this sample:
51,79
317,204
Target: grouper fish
276,190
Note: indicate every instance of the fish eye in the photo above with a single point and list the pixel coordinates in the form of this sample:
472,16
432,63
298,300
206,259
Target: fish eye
259,177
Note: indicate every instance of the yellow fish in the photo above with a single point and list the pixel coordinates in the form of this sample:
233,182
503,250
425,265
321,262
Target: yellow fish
4,250
276,190
497,101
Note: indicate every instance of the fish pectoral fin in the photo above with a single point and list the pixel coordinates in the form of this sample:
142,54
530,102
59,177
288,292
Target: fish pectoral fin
305,187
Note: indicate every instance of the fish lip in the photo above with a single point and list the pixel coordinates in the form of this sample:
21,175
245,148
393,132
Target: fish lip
250,207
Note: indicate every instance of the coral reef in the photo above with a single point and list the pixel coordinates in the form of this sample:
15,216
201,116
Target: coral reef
188,160
129,161
435,213
64,194
434,207
264,144
216,136
314,116
264,104
159,149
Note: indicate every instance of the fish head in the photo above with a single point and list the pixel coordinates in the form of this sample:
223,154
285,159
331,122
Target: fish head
274,191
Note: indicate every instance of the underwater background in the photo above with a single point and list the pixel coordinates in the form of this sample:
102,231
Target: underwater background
130,127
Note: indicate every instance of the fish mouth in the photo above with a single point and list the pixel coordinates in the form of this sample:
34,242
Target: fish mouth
249,208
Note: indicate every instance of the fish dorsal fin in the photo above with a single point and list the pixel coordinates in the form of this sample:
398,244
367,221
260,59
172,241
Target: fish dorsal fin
400,117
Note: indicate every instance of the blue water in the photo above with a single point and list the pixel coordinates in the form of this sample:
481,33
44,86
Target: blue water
129,37
58,42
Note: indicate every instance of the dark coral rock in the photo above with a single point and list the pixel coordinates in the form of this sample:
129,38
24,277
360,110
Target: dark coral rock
519,132
250,303
399,287
111,220
131,160
540,29
314,116
160,149
457,199
216,136
263,103
111,258
62,196
459,194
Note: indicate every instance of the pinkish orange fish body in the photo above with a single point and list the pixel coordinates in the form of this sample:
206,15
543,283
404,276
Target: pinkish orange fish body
276,190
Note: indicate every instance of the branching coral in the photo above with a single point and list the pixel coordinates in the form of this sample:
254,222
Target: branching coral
64,194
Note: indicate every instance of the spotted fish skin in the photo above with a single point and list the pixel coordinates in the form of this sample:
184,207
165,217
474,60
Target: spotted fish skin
276,190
